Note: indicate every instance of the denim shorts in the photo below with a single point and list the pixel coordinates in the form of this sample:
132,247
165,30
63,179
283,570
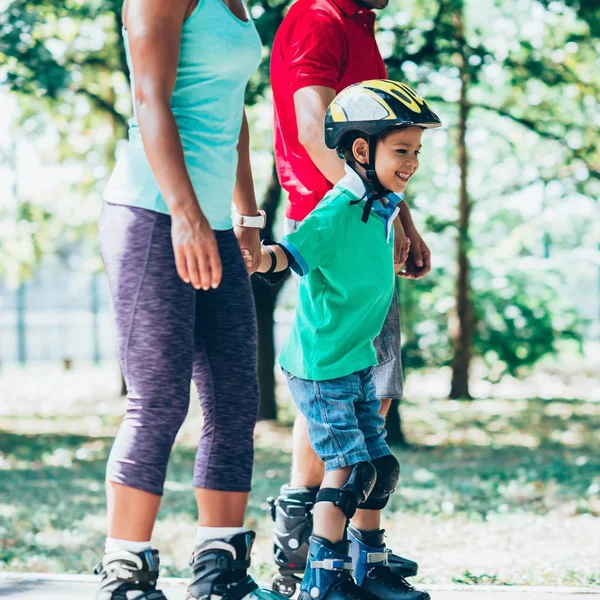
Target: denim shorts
344,424
388,372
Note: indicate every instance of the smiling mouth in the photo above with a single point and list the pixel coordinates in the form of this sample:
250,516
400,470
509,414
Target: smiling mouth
404,176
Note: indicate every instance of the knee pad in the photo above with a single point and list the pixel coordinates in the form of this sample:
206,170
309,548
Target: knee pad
388,473
354,492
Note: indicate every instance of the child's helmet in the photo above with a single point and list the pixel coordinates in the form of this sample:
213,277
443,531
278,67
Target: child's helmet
372,107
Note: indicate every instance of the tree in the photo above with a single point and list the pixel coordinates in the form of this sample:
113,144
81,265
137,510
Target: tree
456,53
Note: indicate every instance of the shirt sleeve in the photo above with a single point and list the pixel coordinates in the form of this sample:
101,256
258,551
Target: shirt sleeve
314,242
315,51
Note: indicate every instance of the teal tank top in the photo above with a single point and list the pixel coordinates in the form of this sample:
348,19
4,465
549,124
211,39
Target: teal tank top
219,53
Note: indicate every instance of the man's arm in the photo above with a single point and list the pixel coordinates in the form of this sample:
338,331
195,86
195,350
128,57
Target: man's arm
311,103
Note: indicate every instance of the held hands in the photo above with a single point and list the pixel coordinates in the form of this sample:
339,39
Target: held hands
195,247
401,248
418,263
264,261
249,240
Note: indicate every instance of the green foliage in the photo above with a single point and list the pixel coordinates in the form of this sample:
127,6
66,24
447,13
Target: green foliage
521,316
534,99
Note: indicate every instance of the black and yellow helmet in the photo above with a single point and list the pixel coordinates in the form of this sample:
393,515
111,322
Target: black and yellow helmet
371,107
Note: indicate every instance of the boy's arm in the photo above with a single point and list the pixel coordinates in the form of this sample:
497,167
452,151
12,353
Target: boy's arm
277,261
274,261
401,245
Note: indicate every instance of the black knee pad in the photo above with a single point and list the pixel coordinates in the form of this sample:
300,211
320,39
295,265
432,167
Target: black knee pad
388,473
354,492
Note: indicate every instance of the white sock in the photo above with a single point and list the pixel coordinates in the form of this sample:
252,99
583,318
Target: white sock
215,533
114,545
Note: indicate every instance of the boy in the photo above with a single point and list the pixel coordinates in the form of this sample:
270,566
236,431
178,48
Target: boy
344,252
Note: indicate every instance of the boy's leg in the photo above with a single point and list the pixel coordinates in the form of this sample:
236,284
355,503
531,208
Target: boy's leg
334,434
370,556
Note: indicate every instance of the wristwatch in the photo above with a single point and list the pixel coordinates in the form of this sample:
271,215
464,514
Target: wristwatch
258,221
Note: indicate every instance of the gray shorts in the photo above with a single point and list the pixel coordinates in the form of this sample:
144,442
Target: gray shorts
388,373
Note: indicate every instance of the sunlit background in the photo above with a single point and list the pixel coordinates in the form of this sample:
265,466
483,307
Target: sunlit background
501,484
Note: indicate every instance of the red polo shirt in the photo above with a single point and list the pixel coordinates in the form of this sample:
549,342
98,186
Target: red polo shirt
328,43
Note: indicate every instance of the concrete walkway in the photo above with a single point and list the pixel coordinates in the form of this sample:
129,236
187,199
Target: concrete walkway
64,587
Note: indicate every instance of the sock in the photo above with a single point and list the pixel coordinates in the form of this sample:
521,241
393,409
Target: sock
215,533
114,545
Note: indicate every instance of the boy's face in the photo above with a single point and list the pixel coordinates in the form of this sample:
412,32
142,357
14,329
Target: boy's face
397,158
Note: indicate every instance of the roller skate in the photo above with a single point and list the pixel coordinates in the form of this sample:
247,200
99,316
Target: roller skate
372,571
220,571
328,573
292,517
129,576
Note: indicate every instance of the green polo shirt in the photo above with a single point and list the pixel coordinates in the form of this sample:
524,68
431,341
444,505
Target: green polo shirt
346,287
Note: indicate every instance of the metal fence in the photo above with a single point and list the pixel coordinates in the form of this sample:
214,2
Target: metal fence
61,315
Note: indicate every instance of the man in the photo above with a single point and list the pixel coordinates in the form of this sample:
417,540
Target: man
321,47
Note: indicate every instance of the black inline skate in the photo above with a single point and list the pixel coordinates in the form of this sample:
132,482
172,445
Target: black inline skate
292,517
220,571
126,575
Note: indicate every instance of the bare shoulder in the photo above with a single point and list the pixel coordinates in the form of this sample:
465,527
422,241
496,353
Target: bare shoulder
144,13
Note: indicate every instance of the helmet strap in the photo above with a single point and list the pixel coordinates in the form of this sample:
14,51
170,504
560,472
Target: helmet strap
378,191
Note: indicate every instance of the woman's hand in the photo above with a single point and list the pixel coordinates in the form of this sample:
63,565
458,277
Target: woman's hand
195,248
249,239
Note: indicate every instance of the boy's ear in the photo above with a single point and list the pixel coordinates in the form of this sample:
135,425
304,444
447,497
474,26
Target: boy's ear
360,150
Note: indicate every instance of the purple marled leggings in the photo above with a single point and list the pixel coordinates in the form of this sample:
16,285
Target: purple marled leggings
167,334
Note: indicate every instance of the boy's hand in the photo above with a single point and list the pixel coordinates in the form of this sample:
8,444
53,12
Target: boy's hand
247,259
401,249
401,246
249,240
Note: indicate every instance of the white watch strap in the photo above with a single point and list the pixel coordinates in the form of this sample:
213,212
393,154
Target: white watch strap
257,221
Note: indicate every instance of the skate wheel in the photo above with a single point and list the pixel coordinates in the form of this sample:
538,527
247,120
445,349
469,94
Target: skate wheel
283,586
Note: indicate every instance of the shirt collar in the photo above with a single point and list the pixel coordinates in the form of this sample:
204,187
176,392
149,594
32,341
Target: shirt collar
349,7
356,186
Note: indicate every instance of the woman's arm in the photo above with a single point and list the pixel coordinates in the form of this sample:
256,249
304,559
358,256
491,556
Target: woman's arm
154,32
244,198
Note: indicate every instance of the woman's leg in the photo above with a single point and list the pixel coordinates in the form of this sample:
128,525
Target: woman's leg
225,374
154,318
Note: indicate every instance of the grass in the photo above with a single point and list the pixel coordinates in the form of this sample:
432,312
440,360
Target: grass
492,491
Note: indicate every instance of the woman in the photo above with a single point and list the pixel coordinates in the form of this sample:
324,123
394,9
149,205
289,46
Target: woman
181,294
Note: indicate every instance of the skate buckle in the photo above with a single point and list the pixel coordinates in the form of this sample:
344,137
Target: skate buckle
331,564
378,557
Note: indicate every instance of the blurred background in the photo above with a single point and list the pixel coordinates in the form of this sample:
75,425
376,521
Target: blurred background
499,431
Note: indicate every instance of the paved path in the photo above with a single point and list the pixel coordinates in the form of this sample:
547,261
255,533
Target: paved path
64,587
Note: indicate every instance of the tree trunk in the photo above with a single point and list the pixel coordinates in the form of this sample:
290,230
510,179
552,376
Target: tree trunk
265,300
463,330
